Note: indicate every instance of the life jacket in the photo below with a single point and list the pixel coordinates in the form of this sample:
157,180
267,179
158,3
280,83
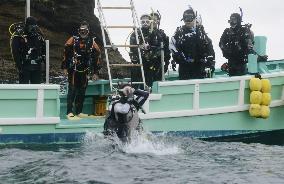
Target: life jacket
79,53
82,49
190,42
34,49
122,112
238,41
30,47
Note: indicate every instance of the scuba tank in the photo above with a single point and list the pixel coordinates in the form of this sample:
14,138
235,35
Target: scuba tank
17,29
123,118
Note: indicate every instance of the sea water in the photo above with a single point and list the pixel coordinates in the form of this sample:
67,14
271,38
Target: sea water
147,159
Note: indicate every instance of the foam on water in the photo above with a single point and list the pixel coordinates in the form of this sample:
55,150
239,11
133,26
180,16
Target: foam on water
148,143
153,159
145,143
92,136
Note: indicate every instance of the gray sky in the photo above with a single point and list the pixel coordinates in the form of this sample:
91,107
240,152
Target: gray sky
266,17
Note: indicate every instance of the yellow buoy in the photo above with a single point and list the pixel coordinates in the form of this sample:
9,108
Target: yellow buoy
255,97
255,84
255,110
264,111
266,86
266,99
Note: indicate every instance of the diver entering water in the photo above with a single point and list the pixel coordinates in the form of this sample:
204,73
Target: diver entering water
28,50
81,58
123,118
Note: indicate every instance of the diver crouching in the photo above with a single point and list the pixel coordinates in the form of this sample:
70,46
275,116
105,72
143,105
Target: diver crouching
123,119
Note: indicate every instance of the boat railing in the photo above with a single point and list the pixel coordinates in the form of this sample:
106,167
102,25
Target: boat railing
207,96
29,104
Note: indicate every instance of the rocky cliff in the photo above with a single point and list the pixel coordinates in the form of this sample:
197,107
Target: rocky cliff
58,19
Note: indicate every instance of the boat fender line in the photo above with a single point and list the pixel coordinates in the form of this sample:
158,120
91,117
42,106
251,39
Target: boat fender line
260,97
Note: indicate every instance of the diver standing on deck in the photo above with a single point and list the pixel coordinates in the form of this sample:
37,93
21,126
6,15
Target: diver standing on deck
28,51
157,36
191,48
134,57
81,56
151,51
236,44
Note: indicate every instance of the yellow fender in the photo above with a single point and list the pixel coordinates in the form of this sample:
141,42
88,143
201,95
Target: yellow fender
255,110
264,111
255,84
255,97
266,86
266,99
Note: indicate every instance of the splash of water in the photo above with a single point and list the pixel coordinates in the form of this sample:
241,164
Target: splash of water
140,143
148,143
92,137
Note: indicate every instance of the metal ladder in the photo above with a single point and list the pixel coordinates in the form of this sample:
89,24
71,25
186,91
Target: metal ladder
104,28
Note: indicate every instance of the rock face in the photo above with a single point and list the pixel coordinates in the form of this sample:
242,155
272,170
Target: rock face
58,20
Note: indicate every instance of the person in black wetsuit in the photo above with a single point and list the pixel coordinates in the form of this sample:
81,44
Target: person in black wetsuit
191,48
81,56
28,51
236,44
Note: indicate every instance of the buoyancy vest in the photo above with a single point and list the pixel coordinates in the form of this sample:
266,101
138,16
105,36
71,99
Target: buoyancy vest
237,43
28,50
122,112
34,49
82,49
189,42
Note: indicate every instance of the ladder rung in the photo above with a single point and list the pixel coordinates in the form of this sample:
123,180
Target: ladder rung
117,7
125,65
119,26
110,46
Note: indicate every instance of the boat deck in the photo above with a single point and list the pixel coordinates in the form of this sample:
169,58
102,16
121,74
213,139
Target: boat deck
96,122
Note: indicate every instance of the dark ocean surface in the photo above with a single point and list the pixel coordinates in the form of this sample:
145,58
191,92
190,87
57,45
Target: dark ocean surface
148,159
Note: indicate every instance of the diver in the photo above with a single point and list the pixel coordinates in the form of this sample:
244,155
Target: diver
81,58
191,48
123,119
208,47
28,51
136,75
236,44
156,37
151,50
